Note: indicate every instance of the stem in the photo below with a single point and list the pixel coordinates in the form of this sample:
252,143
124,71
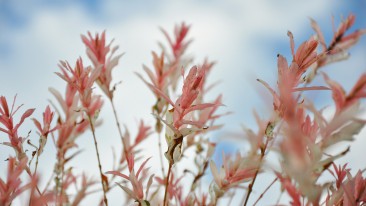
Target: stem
98,158
62,181
119,128
231,198
58,178
36,167
37,188
161,155
279,198
269,186
34,173
199,175
216,200
250,188
165,203
47,184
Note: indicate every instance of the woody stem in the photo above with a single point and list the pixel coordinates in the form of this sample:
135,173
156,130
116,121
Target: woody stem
161,154
119,128
102,177
165,203
264,192
250,187
36,186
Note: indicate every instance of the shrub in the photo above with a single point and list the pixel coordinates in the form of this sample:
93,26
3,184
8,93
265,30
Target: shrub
296,130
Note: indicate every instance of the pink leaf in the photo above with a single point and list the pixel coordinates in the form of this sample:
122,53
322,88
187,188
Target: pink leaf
141,167
26,114
118,174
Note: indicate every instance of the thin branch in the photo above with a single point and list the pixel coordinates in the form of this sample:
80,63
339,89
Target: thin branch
35,172
161,155
37,188
199,175
47,184
250,187
264,192
119,128
102,177
165,203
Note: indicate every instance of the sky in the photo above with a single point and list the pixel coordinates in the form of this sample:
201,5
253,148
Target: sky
244,38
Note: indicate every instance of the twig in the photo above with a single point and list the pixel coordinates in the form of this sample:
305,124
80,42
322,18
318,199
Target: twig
37,188
161,155
59,168
279,198
36,166
34,173
231,198
119,128
99,165
62,181
199,175
250,187
165,203
264,192
48,184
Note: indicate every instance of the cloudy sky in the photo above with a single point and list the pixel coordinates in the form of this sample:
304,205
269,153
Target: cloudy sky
244,38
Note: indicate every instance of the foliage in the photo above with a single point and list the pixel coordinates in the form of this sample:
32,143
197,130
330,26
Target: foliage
296,130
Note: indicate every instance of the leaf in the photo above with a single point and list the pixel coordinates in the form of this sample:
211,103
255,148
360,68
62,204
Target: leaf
276,98
118,174
215,172
145,203
58,98
113,62
156,90
319,33
310,88
128,191
346,133
141,167
42,143
73,155
188,131
292,43
176,131
38,125
5,131
26,114
177,153
338,93
149,184
149,74
200,107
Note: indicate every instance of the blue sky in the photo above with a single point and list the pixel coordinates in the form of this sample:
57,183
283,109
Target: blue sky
244,37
